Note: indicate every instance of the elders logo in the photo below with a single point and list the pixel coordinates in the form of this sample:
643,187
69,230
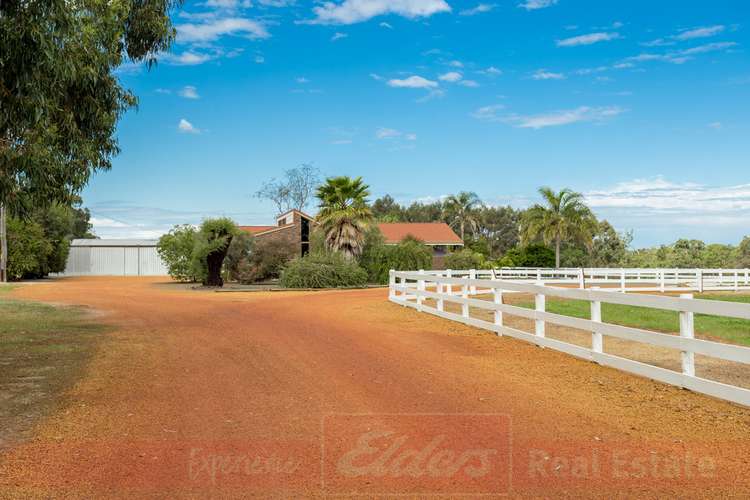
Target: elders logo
416,453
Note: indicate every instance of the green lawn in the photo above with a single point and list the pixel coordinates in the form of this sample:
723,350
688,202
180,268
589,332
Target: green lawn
43,350
733,330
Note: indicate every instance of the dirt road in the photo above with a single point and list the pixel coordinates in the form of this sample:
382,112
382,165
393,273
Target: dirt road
216,395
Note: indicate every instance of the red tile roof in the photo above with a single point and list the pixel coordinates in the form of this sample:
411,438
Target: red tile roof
256,229
431,233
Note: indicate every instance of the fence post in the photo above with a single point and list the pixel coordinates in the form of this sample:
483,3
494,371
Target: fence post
473,276
538,275
747,275
622,280
736,281
420,288
687,331
391,284
581,279
465,295
498,298
440,298
699,279
597,341
449,274
661,279
404,294
540,303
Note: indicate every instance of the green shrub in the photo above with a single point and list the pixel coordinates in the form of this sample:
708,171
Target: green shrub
266,260
239,252
323,270
27,249
465,259
531,256
378,258
176,250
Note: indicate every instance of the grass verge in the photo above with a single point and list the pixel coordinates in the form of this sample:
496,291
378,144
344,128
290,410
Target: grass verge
43,351
736,331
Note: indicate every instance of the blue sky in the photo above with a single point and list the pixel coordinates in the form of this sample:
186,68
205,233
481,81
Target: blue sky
641,105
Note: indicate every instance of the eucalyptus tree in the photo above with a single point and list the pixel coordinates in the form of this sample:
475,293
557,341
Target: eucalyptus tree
563,217
59,92
344,215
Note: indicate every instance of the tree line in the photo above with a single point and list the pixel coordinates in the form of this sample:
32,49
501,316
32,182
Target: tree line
560,231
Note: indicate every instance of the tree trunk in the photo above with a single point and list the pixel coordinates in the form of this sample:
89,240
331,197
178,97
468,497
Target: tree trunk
462,230
557,253
214,262
3,245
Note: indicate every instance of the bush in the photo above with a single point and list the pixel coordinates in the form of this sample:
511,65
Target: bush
323,270
531,256
239,252
266,260
27,249
378,258
465,259
176,250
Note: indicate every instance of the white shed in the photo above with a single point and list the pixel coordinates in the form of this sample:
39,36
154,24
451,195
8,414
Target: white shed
93,257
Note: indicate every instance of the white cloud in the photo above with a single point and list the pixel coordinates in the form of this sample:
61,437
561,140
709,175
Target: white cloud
105,222
213,29
259,59
703,32
386,133
456,64
682,56
356,11
187,128
564,117
228,4
715,125
432,94
338,36
188,58
376,76
493,71
588,39
452,76
660,195
542,74
469,83
385,25
413,82
489,113
301,79
390,133
537,4
189,92
479,9
709,47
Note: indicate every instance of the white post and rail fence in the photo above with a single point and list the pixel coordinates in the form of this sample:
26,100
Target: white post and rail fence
412,288
622,279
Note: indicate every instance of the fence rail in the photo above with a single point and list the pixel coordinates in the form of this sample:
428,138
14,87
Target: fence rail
410,288
623,279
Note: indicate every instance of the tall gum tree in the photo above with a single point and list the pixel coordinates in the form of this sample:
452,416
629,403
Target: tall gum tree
59,94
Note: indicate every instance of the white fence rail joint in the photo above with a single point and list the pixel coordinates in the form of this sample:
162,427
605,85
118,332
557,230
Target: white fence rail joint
410,289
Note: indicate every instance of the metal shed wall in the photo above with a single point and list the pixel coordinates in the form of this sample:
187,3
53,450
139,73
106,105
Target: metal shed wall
114,258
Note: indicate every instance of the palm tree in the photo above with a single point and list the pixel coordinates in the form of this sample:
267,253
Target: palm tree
344,214
563,217
460,210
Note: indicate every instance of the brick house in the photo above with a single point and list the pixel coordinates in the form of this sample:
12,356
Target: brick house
294,227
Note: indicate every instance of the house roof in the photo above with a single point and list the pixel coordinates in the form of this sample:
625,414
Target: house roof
256,229
431,233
